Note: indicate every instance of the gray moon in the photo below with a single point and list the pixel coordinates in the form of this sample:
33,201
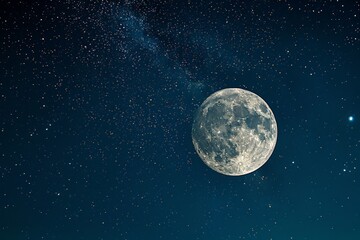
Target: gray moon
234,131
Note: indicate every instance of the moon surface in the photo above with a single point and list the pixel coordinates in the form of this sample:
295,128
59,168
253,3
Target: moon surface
234,131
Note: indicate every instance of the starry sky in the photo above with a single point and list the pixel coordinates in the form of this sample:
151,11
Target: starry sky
97,100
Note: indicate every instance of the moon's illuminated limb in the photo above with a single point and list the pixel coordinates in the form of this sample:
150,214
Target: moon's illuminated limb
234,131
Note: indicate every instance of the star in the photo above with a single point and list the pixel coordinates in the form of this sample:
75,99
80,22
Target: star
351,118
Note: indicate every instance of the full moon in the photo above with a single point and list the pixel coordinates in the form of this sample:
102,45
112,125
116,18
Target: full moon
234,131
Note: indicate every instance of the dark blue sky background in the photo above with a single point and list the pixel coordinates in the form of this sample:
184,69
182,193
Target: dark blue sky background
97,100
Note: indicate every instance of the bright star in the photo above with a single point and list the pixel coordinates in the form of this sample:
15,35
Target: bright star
351,119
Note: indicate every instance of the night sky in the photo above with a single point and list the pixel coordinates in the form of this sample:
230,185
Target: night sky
97,101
